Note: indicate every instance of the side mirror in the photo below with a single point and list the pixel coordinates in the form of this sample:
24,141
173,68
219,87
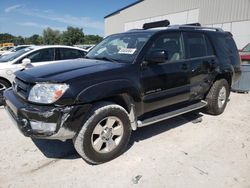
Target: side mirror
26,62
157,56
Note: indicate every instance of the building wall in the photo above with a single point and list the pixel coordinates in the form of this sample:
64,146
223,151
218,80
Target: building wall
231,15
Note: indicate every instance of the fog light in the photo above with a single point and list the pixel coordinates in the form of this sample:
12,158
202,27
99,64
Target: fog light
42,126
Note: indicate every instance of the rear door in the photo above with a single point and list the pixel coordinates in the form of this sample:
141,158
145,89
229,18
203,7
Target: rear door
202,62
68,53
166,83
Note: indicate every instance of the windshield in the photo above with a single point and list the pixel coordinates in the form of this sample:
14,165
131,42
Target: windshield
10,57
15,49
120,48
247,48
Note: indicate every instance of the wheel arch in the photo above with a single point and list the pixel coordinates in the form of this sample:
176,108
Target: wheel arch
6,80
225,75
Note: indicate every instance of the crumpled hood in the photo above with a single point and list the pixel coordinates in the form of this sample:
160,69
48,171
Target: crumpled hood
66,70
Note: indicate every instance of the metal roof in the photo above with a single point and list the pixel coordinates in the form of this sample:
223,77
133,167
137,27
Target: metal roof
119,10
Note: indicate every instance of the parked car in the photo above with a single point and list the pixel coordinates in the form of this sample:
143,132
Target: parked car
5,49
245,54
15,49
127,81
34,56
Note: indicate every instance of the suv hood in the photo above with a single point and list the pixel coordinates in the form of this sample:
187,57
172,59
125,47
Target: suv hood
66,70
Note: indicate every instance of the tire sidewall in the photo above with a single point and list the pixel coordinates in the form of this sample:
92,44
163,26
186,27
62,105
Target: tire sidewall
223,83
89,126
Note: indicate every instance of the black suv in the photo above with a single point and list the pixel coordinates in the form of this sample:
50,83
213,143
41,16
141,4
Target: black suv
129,80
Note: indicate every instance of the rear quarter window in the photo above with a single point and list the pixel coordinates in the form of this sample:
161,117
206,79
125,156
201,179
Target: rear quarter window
226,48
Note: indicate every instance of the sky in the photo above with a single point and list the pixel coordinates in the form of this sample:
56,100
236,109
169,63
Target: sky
27,17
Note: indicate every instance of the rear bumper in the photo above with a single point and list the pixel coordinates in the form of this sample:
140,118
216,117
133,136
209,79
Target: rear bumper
48,122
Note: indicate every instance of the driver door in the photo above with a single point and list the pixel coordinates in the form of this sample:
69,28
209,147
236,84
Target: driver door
166,83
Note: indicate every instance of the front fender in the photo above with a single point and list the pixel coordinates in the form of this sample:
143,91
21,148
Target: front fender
108,89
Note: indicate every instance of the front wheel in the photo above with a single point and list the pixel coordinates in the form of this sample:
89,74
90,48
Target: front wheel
217,97
3,86
104,135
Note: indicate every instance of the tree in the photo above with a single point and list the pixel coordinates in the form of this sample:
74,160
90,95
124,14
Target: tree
92,39
51,36
34,39
6,37
72,36
19,40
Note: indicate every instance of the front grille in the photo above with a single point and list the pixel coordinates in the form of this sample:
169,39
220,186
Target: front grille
21,87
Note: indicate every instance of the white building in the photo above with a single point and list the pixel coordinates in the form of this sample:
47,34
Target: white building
230,15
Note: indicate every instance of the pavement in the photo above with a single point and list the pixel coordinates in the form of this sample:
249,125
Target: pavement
178,153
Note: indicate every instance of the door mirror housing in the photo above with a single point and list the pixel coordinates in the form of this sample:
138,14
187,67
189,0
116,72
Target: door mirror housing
157,56
26,62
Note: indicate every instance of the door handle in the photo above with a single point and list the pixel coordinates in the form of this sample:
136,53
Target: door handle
184,66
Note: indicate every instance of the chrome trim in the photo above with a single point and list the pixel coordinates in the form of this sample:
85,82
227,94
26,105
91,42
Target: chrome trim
141,124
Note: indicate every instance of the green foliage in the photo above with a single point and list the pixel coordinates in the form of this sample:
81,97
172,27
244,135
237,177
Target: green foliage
34,39
51,36
92,39
72,36
6,37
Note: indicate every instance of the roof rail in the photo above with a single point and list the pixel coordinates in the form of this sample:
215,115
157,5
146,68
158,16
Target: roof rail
195,27
163,23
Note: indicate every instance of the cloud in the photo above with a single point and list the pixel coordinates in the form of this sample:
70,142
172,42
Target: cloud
37,25
11,8
83,22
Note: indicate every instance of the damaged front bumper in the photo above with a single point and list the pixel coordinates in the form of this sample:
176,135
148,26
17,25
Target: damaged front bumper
40,121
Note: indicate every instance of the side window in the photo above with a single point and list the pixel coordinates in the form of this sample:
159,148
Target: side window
172,44
232,48
196,45
42,55
69,54
210,50
83,54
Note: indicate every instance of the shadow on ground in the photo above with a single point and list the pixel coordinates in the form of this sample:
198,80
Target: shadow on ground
56,149
65,150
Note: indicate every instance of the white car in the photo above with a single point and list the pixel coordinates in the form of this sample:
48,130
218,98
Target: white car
34,56
15,49
5,49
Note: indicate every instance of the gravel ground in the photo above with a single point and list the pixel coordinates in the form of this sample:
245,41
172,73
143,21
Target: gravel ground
174,153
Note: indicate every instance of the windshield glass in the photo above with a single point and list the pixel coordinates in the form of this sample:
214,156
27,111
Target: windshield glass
120,48
10,57
247,48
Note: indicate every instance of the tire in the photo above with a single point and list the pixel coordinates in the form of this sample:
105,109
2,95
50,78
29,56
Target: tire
217,97
104,123
3,85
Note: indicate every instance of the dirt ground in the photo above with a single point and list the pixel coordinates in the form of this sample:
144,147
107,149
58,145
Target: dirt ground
174,153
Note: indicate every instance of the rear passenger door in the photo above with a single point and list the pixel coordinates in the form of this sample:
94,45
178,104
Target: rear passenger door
68,53
202,62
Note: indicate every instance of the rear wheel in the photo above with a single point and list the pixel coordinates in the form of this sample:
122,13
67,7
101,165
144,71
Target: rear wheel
3,86
104,135
217,97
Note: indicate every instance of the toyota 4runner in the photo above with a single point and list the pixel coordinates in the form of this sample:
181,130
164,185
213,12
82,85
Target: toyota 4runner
127,81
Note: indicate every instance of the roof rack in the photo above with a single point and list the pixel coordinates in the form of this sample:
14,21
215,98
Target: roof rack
166,23
188,26
163,23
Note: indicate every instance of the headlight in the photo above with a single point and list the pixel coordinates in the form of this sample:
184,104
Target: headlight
46,93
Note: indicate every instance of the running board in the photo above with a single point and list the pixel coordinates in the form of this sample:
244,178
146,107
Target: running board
171,114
